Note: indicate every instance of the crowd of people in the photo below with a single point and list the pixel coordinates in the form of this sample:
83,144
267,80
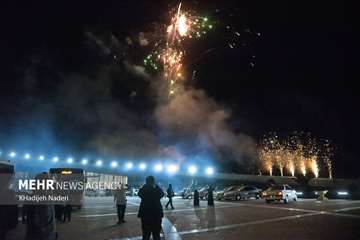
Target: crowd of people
41,220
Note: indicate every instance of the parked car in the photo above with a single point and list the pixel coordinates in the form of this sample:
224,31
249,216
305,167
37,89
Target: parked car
219,195
279,193
90,193
100,193
203,192
187,193
242,192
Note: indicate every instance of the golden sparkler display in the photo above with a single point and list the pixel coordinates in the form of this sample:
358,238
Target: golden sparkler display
297,153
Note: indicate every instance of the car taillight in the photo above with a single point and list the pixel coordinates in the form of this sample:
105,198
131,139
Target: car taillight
279,193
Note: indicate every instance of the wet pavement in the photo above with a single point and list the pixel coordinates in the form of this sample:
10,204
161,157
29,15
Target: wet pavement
251,219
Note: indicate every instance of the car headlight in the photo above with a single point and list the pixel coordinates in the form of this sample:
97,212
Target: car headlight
343,193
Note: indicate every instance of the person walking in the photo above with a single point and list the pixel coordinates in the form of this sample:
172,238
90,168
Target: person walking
210,197
170,195
196,198
120,201
150,210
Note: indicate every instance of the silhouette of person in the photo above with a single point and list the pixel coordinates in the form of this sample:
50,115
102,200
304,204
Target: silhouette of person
170,195
120,200
40,224
150,210
59,212
196,198
67,212
210,197
8,211
23,213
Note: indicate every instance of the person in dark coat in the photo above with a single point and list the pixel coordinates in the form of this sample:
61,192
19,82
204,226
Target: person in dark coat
8,208
196,198
59,212
67,213
210,197
170,194
150,210
24,213
40,223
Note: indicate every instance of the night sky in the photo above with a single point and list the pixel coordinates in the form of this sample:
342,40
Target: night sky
297,82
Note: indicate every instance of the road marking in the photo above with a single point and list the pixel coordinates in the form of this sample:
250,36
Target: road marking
134,213
169,232
257,222
133,203
342,214
273,207
346,209
302,210
234,204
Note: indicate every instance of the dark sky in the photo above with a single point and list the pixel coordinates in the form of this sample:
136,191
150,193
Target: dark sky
298,82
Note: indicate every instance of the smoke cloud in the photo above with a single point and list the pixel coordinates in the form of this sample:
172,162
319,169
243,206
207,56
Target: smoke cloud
192,113
118,109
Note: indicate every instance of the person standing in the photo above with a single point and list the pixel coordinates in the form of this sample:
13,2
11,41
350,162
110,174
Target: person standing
196,198
120,201
59,212
40,223
170,195
8,208
210,197
150,210
67,213
23,213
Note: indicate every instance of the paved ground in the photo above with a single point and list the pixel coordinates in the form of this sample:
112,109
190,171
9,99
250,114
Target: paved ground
253,219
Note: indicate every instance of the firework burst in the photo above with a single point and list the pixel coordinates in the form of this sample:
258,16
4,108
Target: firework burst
169,50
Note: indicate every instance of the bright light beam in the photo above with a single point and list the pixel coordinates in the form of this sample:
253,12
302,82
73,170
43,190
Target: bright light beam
142,166
129,165
158,167
192,170
12,154
172,168
209,171
99,163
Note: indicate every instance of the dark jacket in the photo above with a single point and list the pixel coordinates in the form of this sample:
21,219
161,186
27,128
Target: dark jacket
150,205
8,213
40,223
170,193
